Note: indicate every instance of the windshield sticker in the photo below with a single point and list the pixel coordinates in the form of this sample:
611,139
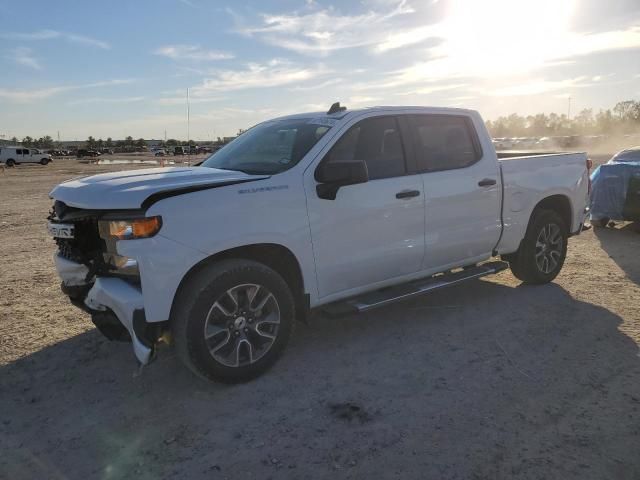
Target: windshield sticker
329,122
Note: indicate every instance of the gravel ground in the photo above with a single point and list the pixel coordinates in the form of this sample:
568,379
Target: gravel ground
485,380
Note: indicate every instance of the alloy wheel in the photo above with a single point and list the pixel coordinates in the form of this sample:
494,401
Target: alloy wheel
242,325
548,248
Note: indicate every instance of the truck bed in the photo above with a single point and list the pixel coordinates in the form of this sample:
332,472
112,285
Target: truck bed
527,179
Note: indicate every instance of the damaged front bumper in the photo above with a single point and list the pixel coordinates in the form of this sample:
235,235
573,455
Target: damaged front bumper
113,303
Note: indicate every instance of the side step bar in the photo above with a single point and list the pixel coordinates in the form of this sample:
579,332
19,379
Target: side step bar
386,296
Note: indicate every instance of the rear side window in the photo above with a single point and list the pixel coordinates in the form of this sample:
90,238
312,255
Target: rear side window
18,151
378,142
444,142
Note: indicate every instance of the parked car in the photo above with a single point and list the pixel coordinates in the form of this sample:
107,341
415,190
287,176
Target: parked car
179,150
11,156
159,152
87,153
615,193
342,211
627,156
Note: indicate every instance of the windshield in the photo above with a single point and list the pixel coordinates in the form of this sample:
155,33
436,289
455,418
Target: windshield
627,156
270,147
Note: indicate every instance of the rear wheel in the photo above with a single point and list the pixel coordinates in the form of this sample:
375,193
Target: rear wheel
601,222
232,320
543,249
10,163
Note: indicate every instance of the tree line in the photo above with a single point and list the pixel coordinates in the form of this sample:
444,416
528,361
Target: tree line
624,118
91,143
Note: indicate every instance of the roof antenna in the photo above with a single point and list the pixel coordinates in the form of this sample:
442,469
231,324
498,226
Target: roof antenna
335,108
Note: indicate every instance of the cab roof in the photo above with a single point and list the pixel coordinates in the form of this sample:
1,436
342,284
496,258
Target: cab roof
396,108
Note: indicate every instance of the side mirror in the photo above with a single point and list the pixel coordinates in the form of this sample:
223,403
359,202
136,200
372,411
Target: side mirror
333,175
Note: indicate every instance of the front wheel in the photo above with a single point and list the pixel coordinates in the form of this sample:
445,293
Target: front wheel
233,320
44,161
543,249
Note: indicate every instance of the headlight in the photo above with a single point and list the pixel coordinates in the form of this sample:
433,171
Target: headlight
130,229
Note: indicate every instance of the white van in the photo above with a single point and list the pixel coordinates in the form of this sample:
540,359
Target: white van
11,156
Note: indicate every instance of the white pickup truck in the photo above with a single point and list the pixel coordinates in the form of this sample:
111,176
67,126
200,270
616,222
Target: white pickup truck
342,211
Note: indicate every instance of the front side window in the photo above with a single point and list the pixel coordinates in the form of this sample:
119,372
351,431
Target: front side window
378,142
25,151
443,142
270,147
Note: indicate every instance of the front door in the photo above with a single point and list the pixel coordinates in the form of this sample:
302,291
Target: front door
374,231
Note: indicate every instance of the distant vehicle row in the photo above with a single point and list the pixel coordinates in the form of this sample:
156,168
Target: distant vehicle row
566,141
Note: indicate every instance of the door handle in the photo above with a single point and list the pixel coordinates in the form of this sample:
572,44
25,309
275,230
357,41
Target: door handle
486,182
407,194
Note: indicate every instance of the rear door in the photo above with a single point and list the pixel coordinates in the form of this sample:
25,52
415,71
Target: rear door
374,231
462,190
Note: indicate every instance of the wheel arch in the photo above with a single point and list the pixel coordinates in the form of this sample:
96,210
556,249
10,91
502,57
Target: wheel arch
275,256
559,203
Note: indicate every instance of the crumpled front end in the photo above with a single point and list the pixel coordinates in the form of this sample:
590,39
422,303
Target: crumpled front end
101,282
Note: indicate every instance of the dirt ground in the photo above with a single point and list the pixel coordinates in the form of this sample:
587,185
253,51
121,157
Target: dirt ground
487,380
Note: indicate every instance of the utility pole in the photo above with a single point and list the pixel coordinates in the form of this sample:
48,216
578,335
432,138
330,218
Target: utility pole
188,116
569,109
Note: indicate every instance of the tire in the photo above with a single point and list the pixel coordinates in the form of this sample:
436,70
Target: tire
536,264
10,163
248,328
601,222
44,161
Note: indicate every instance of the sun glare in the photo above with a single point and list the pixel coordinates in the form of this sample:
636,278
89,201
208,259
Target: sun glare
496,37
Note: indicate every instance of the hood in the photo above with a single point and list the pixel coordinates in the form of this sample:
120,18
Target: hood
130,189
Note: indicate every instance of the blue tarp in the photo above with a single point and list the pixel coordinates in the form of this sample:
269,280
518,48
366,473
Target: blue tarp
610,190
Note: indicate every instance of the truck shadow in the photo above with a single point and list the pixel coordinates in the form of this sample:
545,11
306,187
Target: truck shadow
622,245
479,381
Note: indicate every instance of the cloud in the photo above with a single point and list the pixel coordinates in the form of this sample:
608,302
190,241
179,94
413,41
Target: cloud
182,100
31,95
54,35
359,100
323,31
274,73
409,37
432,89
24,56
317,86
91,100
191,52
539,86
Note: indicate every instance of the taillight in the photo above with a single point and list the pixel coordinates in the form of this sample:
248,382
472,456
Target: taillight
589,165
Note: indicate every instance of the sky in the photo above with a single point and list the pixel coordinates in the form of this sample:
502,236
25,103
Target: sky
119,68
